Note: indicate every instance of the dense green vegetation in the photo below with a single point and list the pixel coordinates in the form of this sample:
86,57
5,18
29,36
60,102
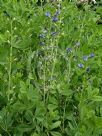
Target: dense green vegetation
50,68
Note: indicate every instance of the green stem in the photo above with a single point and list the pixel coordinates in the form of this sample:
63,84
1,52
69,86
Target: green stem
10,64
44,81
29,66
64,113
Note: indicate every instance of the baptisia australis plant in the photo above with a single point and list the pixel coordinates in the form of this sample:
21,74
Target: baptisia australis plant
50,69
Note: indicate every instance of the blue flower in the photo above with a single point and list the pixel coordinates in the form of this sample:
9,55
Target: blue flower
47,14
69,50
80,65
41,36
54,19
91,55
85,58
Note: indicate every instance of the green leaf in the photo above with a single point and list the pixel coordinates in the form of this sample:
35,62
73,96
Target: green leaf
97,98
35,134
24,128
51,107
54,133
55,125
29,115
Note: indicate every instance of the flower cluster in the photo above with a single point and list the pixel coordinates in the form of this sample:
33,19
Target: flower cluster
54,18
85,57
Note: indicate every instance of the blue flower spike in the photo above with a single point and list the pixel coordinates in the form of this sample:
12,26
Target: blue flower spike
80,65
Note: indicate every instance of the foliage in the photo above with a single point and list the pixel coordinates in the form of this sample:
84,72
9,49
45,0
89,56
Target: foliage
50,69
